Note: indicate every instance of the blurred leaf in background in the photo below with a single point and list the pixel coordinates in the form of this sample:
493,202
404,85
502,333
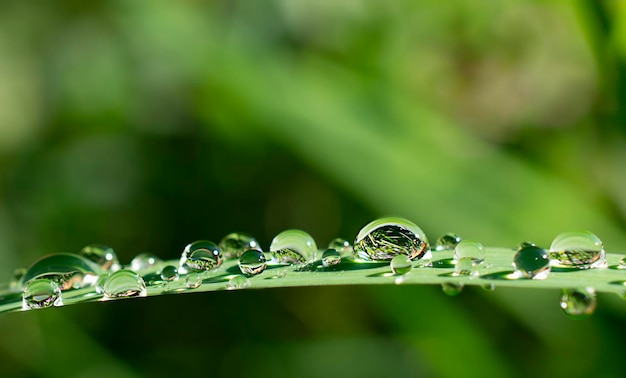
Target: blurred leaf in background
148,124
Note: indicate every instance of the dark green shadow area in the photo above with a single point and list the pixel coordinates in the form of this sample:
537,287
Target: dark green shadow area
616,267
619,283
443,264
383,274
564,270
502,276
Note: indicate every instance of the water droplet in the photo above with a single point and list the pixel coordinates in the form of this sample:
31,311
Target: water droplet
193,280
525,244
466,266
451,288
238,282
579,303
400,264
385,238
470,248
169,273
40,293
124,283
532,262
235,244
201,255
252,262
100,282
622,263
577,249
330,257
145,262
489,287
341,245
293,247
447,241
68,270
104,256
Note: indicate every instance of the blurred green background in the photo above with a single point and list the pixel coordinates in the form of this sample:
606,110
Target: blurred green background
145,125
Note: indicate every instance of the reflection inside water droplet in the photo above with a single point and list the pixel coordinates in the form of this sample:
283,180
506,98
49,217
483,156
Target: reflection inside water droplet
400,265
104,256
252,262
68,270
577,249
40,293
293,247
145,262
470,248
385,238
579,303
235,244
341,245
452,288
330,257
532,262
238,282
169,273
201,255
124,283
466,266
447,241
193,280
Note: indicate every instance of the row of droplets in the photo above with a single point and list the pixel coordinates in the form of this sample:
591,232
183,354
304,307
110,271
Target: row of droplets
394,240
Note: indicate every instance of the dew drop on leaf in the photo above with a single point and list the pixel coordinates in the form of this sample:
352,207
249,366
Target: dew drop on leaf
252,262
385,238
577,249
579,303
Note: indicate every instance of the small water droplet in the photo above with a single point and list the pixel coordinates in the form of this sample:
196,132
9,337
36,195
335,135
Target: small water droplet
385,238
447,241
489,287
68,270
470,248
145,262
238,282
466,266
532,262
622,263
577,249
201,255
341,245
124,283
330,257
399,280
235,244
193,280
400,265
100,282
169,273
40,293
579,303
104,256
293,247
452,288
252,262
525,244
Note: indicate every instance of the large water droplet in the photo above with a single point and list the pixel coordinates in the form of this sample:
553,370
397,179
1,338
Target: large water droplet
169,273
100,281
470,248
400,264
193,280
577,249
532,262
238,282
293,247
104,256
452,288
124,283
145,262
66,269
235,244
579,303
40,293
447,241
385,238
201,255
252,262
330,257
341,245
466,266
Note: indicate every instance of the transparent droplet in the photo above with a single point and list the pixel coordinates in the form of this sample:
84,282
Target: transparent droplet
452,288
622,263
169,273
470,248
579,303
238,282
68,270
532,262
466,266
400,264
104,256
235,244
447,241
252,262
40,293
201,255
489,287
193,280
293,247
330,257
577,249
385,238
145,262
525,244
124,283
100,281
341,245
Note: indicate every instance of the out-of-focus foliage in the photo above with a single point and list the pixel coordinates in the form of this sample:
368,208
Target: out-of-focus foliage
148,124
